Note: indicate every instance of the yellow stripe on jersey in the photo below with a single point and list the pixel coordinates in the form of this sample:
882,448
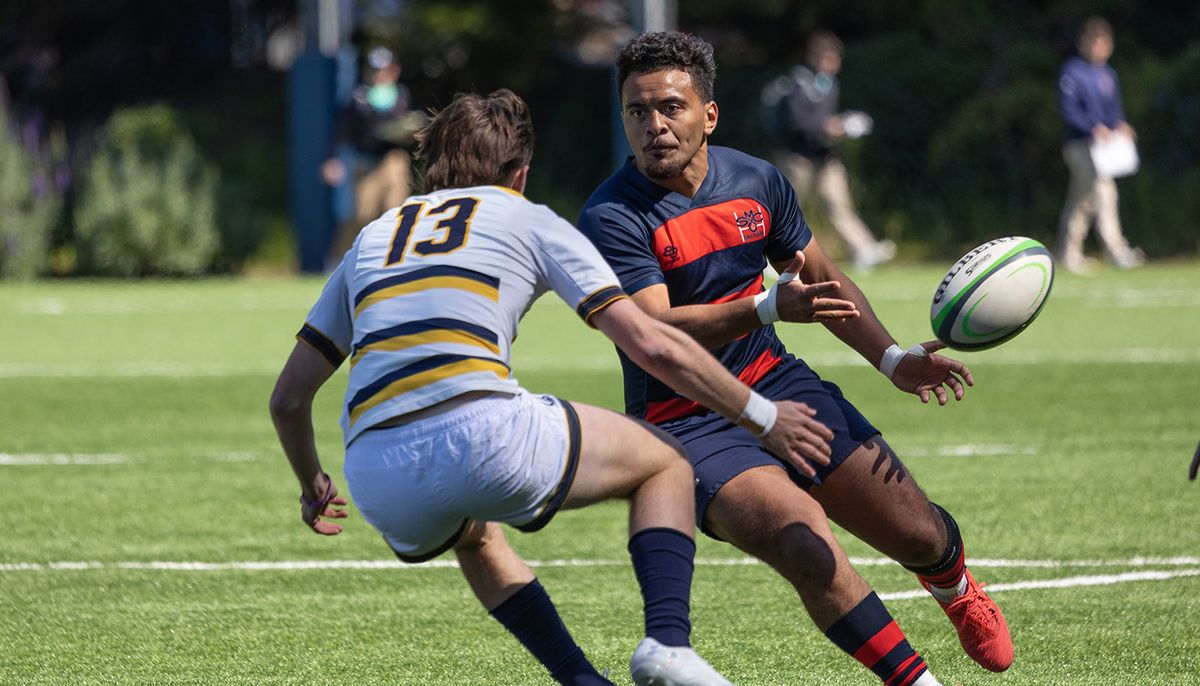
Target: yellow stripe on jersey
455,282
405,382
423,338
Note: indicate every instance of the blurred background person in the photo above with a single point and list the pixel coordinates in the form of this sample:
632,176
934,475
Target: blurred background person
1090,103
800,112
368,152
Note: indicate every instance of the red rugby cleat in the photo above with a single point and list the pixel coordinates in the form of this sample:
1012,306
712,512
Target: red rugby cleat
981,628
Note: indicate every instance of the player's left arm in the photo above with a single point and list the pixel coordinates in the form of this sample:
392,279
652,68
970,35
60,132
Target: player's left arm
304,373
922,373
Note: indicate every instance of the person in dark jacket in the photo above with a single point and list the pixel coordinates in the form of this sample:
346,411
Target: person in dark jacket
369,147
1090,103
801,113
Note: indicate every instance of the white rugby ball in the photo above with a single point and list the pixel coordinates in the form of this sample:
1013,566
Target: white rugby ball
992,293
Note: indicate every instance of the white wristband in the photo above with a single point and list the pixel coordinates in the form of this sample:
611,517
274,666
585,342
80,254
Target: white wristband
759,415
765,303
893,355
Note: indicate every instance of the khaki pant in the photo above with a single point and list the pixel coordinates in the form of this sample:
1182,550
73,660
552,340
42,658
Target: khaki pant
832,184
376,190
1089,196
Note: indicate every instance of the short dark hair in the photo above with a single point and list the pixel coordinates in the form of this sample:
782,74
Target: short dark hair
651,52
476,141
1093,28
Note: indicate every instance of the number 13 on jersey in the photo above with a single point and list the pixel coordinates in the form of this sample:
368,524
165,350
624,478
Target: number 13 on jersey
453,224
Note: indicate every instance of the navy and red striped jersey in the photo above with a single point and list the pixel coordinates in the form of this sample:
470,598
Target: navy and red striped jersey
711,248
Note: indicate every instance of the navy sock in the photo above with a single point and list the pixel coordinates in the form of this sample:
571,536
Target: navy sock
663,560
530,615
872,637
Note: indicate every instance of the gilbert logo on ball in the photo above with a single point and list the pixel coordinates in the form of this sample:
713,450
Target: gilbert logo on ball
992,293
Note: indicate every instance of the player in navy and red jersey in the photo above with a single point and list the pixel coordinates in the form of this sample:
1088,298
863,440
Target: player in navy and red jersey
689,228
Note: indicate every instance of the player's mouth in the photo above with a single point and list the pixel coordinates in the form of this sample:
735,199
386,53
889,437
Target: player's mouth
658,148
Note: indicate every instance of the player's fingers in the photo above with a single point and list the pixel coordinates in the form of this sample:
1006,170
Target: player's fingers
933,346
833,304
965,373
339,500
797,263
941,395
801,464
819,429
834,315
326,528
816,290
924,396
816,447
335,514
955,385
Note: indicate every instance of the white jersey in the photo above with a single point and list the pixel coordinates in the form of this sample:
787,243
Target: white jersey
427,301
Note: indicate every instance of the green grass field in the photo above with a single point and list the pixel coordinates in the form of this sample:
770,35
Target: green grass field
151,536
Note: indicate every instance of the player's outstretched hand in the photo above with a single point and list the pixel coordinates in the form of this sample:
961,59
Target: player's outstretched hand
806,303
798,437
312,511
932,374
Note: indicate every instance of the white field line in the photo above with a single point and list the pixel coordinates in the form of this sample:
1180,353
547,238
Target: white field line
600,361
1066,582
308,565
23,459
92,459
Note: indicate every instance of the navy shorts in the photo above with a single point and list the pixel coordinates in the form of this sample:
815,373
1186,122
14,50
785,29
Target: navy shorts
720,450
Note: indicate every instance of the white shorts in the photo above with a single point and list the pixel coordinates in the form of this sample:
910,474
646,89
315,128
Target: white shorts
501,458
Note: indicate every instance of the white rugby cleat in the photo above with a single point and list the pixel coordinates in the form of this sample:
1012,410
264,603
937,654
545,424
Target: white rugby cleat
655,664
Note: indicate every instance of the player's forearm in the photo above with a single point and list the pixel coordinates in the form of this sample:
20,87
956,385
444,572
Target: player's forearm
714,325
679,361
866,334
293,425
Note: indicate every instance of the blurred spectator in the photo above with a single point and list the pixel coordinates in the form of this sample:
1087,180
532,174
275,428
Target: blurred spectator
1090,102
800,113
369,147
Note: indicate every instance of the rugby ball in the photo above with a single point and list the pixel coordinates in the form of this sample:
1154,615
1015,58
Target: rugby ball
992,293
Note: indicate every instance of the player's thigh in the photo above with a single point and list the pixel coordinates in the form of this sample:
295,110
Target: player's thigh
875,497
618,454
764,512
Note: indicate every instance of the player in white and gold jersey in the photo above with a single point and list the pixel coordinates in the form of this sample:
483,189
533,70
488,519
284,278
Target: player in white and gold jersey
443,444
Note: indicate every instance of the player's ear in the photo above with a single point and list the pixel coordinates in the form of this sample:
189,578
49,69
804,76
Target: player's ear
710,117
519,177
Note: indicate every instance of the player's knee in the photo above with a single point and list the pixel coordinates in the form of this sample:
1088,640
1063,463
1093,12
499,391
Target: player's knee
804,556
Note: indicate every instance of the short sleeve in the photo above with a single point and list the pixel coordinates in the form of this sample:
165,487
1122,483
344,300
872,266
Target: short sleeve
328,327
789,231
574,268
625,244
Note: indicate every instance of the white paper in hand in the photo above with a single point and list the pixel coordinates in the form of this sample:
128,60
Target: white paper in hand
1115,156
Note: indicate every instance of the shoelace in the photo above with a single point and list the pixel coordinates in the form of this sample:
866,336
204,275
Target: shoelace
977,611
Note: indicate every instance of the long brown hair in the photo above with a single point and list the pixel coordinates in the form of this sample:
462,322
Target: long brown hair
476,141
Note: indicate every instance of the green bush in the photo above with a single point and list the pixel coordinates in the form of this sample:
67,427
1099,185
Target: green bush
30,207
148,203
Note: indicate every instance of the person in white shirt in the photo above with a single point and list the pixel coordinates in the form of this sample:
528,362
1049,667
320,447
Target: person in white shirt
443,444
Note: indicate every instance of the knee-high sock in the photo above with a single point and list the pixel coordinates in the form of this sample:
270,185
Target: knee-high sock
663,560
949,571
530,615
872,637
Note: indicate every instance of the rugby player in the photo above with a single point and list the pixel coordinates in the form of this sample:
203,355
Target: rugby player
443,444
689,228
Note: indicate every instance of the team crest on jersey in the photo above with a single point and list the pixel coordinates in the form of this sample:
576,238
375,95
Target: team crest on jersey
670,255
751,224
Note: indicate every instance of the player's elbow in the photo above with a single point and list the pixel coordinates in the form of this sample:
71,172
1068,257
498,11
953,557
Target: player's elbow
284,405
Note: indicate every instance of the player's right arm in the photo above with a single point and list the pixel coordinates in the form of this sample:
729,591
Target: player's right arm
304,373
321,346
677,359
716,324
